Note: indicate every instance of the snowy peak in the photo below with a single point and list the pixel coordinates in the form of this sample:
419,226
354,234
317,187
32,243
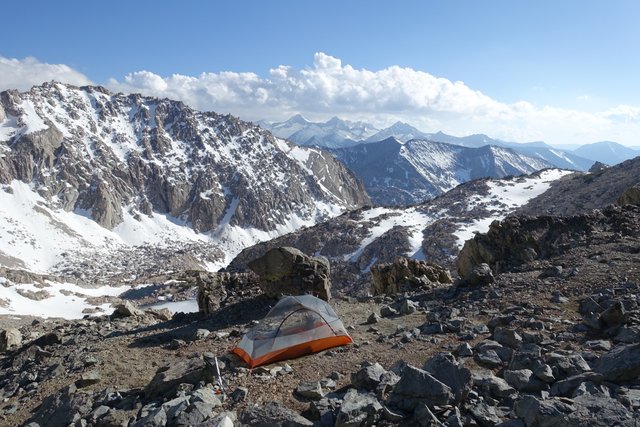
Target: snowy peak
333,133
399,130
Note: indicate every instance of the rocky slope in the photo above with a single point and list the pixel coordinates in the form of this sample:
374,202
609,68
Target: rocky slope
435,230
150,172
551,340
580,193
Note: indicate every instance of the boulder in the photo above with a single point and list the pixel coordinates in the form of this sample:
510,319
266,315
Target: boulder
405,274
10,337
418,386
479,275
272,414
368,377
445,368
631,196
190,371
126,309
359,409
620,364
212,287
288,271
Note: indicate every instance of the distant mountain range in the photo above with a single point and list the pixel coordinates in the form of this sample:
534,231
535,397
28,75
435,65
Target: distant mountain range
397,173
607,152
338,133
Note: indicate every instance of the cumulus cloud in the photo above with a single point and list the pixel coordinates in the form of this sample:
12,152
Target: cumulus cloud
329,87
22,74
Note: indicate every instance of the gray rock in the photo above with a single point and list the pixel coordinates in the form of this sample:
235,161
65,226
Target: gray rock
418,386
507,337
359,409
484,414
201,334
423,417
620,364
373,318
63,408
614,315
589,305
288,271
272,414
127,309
488,358
539,413
480,275
600,410
310,390
408,307
225,419
567,365
544,373
388,311
464,350
523,380
156,418
10,337
492,386
190,371
368,378
446,369
88,378
598,345
239,394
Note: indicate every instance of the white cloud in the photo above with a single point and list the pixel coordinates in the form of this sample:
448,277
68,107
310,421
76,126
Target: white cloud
22,74
329,87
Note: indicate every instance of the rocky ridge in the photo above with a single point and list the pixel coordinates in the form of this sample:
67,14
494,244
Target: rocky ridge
397,173
129,162
435,230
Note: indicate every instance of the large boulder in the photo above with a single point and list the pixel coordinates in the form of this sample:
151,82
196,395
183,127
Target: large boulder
10,337
417,386
631,196
272,414
212,287
288,271
189,371
620,364
406,274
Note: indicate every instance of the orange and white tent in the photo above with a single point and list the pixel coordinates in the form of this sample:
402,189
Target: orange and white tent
295,326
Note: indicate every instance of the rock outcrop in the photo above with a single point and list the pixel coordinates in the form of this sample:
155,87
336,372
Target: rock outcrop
518,240
405,274
288,271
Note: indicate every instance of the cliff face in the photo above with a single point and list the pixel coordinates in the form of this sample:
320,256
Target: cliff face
85,148
83,170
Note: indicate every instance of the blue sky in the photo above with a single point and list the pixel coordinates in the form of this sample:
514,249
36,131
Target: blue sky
571,62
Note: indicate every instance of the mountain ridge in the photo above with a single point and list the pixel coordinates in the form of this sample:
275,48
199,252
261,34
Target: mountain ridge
131,162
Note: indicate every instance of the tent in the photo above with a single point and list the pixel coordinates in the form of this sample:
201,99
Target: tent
294,327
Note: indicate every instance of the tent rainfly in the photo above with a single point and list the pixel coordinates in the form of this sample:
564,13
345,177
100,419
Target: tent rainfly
294,327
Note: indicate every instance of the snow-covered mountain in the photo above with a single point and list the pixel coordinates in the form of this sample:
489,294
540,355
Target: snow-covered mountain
332,133
137,181
607,152
435,230
400,131
337,133
397,173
